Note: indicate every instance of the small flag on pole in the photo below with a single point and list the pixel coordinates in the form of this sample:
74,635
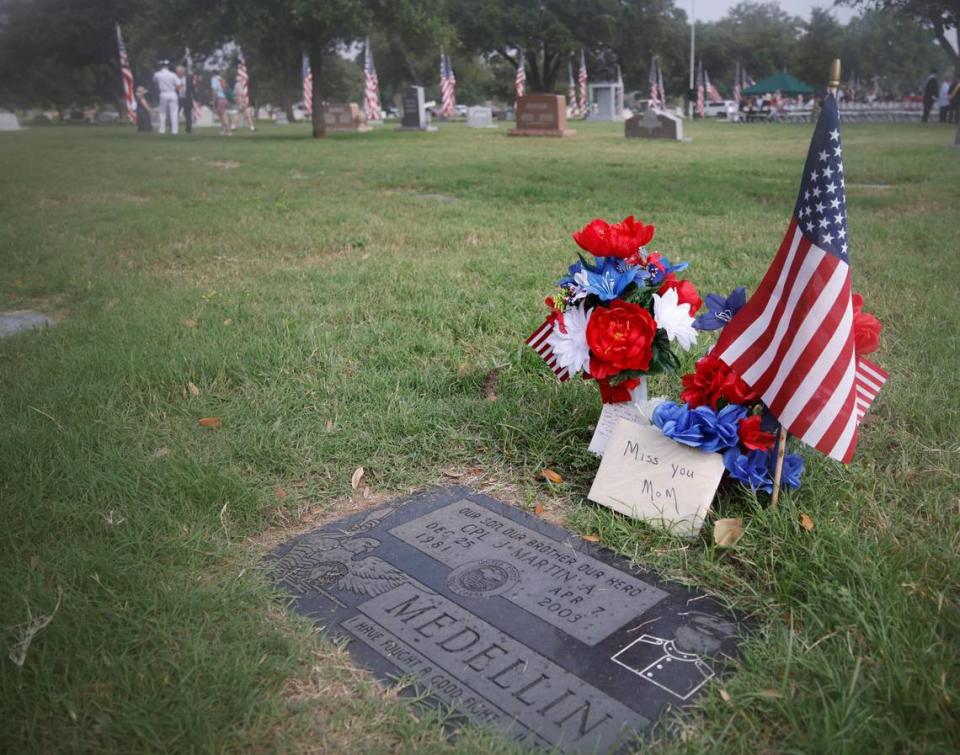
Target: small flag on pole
793,341
520,82
241,87
663,92
129,100
371,86
307,86
713,94
539,343
571,90
700,89
737,85
448,87
582,81
654,86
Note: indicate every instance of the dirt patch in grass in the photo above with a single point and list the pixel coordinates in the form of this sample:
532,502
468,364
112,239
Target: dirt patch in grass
223,164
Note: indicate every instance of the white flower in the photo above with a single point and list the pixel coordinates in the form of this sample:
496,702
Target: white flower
675,318
570,348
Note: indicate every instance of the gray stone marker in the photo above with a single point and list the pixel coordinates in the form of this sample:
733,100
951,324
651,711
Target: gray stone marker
23,319
8,121
653,124
415,117
514,622
480,117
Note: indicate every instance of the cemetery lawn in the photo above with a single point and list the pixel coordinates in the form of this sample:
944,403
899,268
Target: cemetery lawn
342,303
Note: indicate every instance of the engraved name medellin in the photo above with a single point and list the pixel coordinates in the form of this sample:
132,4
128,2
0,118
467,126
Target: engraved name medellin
512,621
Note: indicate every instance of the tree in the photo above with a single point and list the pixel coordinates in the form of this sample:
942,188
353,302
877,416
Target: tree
822,42
939,15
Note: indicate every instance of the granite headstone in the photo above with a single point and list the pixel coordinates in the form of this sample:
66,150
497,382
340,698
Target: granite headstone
541,115
480,117
341,117
654,124
415,117
512,621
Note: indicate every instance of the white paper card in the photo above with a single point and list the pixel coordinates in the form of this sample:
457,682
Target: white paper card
647,476
610,415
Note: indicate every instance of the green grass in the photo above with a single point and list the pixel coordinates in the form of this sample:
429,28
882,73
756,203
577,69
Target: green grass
332,318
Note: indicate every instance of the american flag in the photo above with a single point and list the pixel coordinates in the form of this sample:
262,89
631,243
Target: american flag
128,98
520,82
700,90
663,92
307,86
538,342
654,86
192,88
241,87
571,90
737,87
713,94
794,341
582,81
371,86
448,87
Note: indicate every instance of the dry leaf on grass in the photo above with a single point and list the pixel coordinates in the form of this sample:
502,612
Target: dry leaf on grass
724,695
552,476
210,422
538,509
189,322
228,321
592,538
194,391
329,425
357,476
727,532
490,383
771,693
279,492
807,522
161,452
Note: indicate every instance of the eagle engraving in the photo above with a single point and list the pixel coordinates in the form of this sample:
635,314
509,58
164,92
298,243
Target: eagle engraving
324,559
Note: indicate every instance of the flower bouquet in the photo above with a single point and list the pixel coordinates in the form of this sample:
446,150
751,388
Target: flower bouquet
617,317
718,412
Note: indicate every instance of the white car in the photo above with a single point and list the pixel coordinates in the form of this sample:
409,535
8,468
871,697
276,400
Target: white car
719,109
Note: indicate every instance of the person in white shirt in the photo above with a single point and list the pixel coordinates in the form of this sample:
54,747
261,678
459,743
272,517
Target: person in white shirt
169,85
943,101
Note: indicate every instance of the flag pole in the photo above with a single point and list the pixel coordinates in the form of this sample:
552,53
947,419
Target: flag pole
832,86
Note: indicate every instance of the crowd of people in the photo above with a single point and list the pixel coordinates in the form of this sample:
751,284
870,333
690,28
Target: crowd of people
177,95
945,95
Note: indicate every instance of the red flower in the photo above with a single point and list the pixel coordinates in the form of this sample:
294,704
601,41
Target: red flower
616,394
752,437
713,381
866,328
686,293
621,239
620,338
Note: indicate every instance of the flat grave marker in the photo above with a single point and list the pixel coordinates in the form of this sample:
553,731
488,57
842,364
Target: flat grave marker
22,319
512,621
480,117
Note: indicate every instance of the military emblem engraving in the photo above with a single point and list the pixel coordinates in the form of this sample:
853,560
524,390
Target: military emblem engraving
482,579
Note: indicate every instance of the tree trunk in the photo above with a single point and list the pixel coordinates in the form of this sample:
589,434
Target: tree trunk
286,100
316,66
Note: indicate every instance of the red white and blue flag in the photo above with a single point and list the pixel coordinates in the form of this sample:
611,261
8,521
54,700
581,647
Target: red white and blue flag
654,86
737,84
448,87
793,341
307,86
241,87
371,86
130,102
582,81
539,342
520,81
571,90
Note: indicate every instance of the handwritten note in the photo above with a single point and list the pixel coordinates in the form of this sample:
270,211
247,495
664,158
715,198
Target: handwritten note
610,415
650,477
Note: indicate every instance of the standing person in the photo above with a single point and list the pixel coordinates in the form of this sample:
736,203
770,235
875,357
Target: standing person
168,83
955,101
185,94
143,111
931,90
943,101
218,86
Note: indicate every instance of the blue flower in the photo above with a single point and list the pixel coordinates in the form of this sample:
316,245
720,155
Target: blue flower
676,422
792,470
753,470
607,280
659,267
720,309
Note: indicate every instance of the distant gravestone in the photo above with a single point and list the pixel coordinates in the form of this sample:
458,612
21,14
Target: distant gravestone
22,319
344,117
206,118
480,117
512,621
281,119
8,121
541,115
415,116
653,124
263,114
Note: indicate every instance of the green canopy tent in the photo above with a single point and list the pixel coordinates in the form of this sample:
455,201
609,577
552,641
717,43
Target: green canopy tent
781,82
